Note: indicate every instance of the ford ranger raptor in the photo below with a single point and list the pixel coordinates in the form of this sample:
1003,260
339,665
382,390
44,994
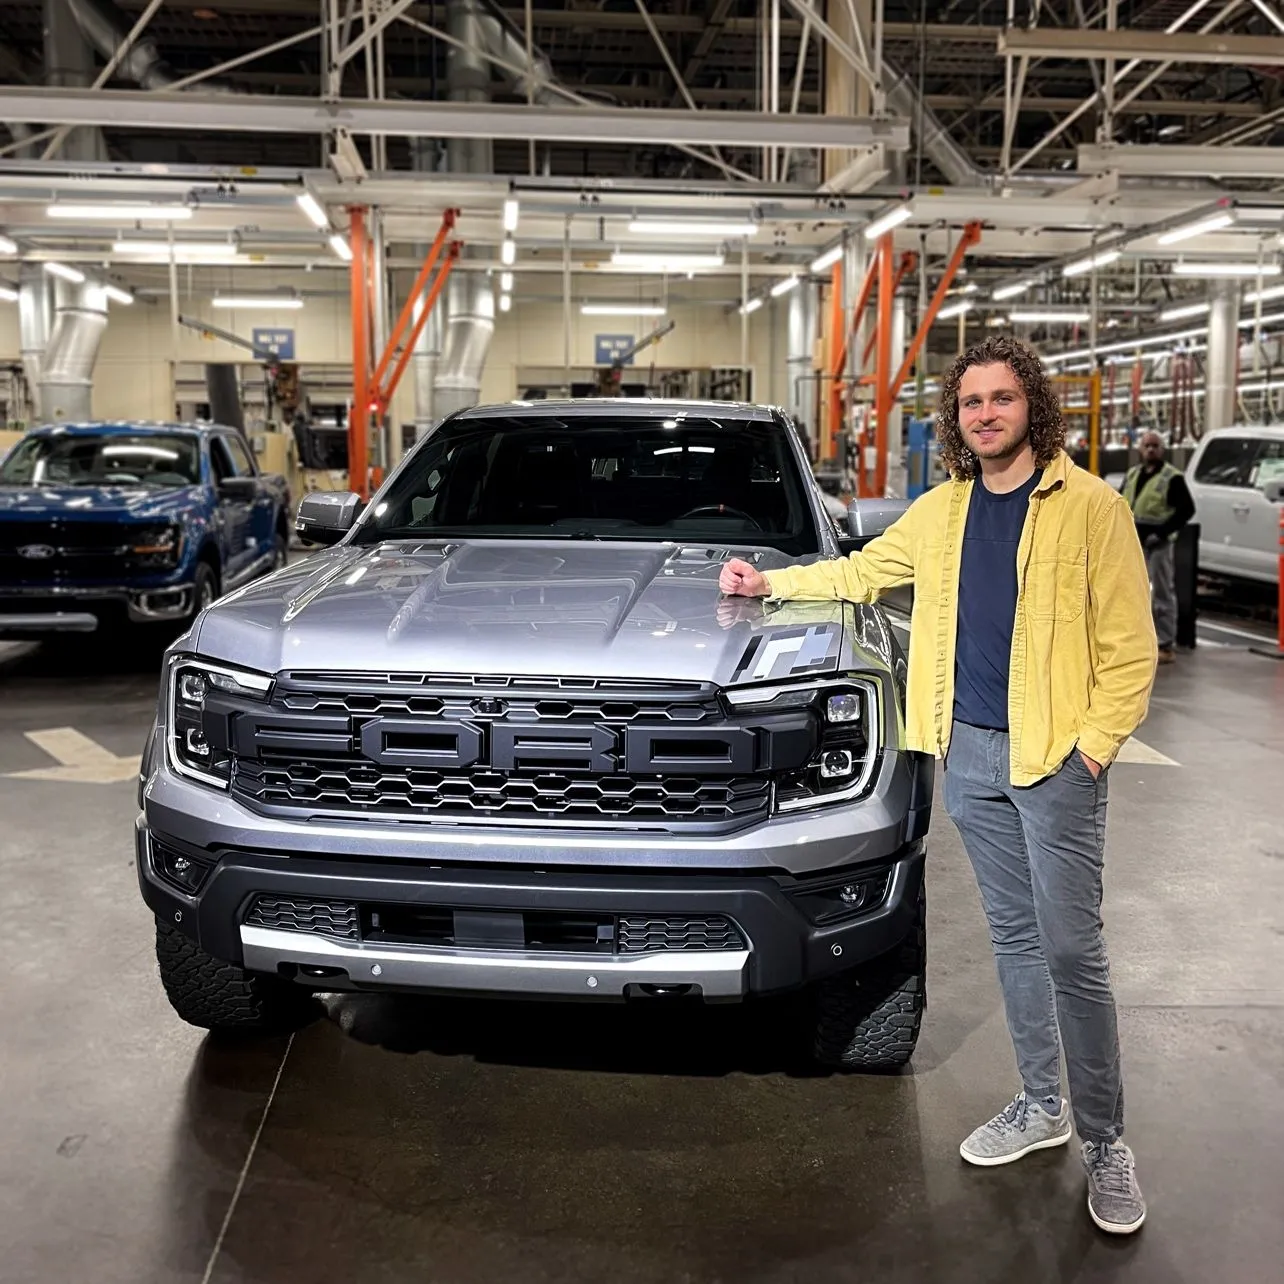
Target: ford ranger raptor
502,736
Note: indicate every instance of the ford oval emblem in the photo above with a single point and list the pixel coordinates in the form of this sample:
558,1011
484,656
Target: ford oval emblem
37,552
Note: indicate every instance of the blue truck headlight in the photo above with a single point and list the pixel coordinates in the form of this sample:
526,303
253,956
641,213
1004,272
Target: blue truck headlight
157,546
194,750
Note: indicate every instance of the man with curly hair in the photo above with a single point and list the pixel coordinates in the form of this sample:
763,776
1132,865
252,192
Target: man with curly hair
1031,660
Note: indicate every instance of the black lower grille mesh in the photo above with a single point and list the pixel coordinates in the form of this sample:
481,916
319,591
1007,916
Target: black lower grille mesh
364,787
290,914
636,934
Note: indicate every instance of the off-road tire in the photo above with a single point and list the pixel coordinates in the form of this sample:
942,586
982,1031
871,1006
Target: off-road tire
868,1018
220,996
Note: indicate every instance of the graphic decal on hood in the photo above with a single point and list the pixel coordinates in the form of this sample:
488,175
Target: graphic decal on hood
787,653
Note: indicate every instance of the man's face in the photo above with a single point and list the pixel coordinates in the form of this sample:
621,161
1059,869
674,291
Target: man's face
1152,448
994,414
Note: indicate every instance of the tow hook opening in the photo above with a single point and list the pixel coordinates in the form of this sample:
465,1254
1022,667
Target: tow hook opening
667,991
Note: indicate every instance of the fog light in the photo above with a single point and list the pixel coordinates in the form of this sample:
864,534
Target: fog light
196,744
184,872
843,708
837,763
851,894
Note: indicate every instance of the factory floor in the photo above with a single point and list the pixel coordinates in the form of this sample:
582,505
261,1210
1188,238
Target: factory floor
491,1142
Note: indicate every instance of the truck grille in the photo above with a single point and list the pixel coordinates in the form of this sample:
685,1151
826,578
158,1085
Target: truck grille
80,552
514,750
363,787
636,935
326,918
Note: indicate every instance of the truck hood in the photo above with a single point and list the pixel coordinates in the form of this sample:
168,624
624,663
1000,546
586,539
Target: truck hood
99,503
529,608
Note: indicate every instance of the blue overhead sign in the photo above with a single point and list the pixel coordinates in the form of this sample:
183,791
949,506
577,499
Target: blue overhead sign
608,348
279,342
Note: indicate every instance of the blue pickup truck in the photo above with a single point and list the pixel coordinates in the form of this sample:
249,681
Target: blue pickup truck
103,524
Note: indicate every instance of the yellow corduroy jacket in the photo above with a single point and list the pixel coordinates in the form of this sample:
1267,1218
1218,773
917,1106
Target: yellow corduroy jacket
1083,642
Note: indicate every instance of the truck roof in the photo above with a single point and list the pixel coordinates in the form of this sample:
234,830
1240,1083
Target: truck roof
134,427
623,407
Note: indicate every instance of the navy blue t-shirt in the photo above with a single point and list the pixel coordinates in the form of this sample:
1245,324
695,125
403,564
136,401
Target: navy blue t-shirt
987,604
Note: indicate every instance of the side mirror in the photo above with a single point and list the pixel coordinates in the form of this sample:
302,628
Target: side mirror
867,518
326,516
1274,490
241,490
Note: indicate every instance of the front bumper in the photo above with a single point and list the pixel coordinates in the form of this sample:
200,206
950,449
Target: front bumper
83,608
784,943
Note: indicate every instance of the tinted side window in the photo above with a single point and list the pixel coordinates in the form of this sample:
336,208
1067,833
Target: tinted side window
1227,461
221,460
241,460
1269,464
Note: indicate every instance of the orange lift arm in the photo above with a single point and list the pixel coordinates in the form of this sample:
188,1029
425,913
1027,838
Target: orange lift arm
909,260
359,419
385,394
971,235
407,312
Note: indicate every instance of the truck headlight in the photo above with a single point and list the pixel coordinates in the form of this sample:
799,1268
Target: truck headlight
157,546
195,750
847,752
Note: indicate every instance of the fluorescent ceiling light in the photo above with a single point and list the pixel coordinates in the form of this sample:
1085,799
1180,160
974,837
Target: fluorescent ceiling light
783,287
312,208
1213,224
954,310
885,223
506,282
1080,266
7,246
67,273
970,288
1050,315
127,213
828,259
508,251
1170,131
1226,269
1010,291
252,301
994,322
1189,310
654,262
182,249
117,295
511,212
8,295
690,227
1259,213
341,247
622,310
505,302
1271,292
752,306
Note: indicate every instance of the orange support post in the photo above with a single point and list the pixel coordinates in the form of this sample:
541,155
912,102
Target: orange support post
908,261
359,419
385,394
838,358
971,235
407,312
883,365
862,301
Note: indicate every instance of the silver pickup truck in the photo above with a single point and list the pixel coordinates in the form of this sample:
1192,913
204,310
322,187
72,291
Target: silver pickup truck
503,736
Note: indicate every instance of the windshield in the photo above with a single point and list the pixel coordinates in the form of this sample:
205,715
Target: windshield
103,459
595,477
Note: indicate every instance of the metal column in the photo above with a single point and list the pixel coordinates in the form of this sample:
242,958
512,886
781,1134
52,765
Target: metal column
1223,354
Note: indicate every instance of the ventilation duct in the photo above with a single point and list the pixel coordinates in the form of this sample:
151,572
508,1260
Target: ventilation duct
34,323
470,303
903,99
66,379
106,28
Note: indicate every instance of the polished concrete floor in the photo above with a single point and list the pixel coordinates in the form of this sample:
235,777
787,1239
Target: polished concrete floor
485,1142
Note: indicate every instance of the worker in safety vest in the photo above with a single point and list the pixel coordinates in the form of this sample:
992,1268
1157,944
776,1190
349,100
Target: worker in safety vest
1161,505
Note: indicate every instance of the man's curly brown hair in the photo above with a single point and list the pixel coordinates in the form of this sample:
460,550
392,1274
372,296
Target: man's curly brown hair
1047,428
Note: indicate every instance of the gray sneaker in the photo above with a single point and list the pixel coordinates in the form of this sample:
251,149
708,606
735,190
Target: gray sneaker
1114,1198
1020,1128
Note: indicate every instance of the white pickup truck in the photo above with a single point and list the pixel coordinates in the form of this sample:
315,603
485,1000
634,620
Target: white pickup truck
1236,477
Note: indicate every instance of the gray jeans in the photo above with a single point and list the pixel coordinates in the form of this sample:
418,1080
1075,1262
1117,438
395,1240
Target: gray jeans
1162,569
1038,853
